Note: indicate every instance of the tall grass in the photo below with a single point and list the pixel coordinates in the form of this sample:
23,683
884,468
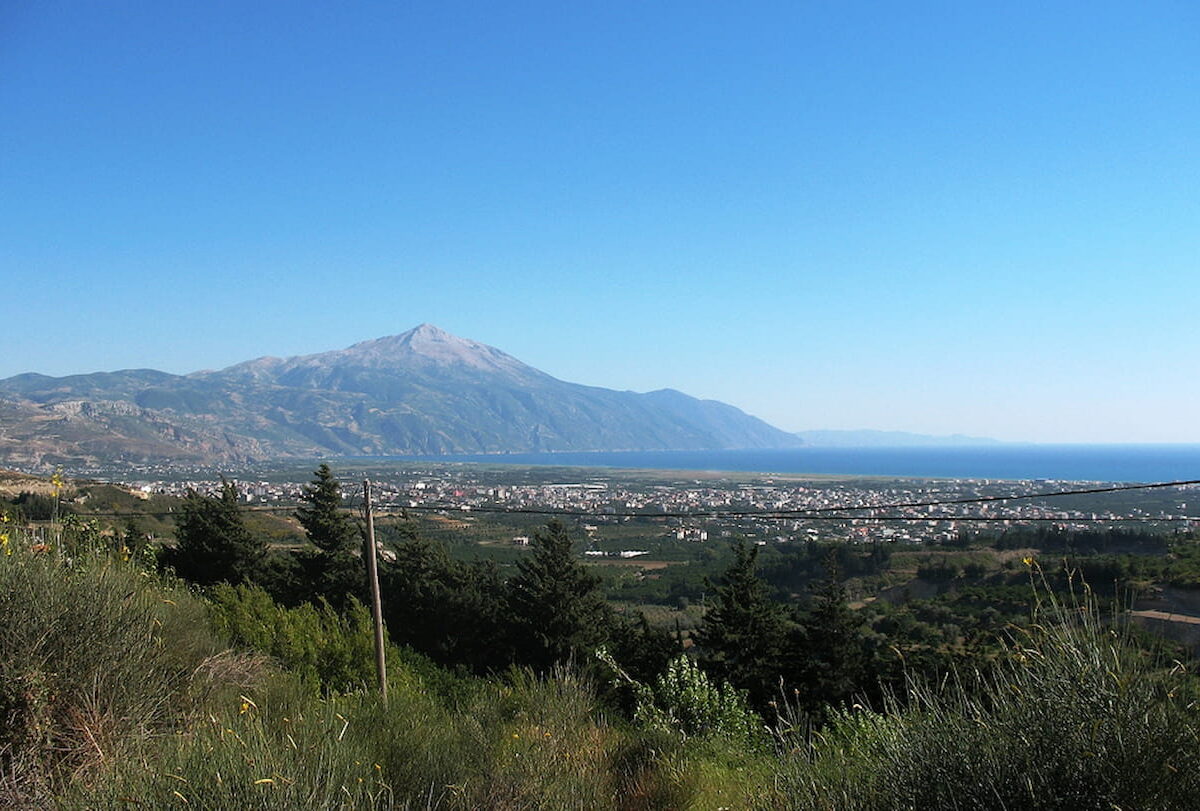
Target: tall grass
94,655
115,692
1075,717
521,743
281,749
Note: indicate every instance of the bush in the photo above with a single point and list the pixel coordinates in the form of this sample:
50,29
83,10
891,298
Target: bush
1075,717
94,656
684,701
333,652
114,690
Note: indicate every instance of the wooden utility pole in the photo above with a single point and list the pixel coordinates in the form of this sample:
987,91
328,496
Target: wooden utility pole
370,554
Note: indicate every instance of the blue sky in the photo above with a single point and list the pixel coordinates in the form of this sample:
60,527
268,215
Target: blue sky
934,217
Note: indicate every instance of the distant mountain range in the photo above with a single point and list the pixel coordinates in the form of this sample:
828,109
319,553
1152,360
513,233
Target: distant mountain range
887,439
423,392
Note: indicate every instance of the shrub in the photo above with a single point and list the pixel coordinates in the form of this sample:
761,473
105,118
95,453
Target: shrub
684,701
526,742
323,648
94,656
1075,717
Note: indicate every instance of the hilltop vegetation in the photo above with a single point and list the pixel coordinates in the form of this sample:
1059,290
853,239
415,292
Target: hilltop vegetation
172,677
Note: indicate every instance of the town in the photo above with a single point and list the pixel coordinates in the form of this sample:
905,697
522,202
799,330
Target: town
703,506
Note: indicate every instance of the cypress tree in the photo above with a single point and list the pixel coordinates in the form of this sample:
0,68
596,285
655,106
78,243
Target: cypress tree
828,663
329,528
332,571
742,636
555,603
213,543
450,610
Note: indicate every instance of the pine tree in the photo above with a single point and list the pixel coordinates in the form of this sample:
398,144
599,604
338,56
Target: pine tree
642,649
329,528
213,543
827,659
555,603
449,610
742,636
331,571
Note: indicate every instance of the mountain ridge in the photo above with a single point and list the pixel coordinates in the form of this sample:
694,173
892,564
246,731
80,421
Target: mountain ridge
871,438
420,392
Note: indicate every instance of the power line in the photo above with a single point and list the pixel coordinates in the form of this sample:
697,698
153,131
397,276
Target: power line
833,513
962,518
811,512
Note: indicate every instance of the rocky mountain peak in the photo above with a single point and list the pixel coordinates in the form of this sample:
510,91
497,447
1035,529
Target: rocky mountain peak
423,391
430,346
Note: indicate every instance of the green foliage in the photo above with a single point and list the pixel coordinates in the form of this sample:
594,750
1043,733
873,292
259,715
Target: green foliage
793,568
325,649
554,751
521,742
115,683
37,507
213,544
554,603
82,536
684,701
268,750
135,544
328,527
449,610
114,689
742,638
642,649
938,571
1184,566
1074,717
827,653
94,655
1075,542
338,578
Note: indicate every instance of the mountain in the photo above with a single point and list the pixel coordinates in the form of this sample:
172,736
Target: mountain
423,392
886,439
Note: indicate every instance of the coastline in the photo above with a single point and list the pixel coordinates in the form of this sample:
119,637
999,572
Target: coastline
1021,462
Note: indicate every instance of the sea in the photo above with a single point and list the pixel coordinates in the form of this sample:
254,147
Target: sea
1093,463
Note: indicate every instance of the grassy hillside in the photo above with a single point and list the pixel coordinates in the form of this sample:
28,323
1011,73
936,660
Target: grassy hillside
121,689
